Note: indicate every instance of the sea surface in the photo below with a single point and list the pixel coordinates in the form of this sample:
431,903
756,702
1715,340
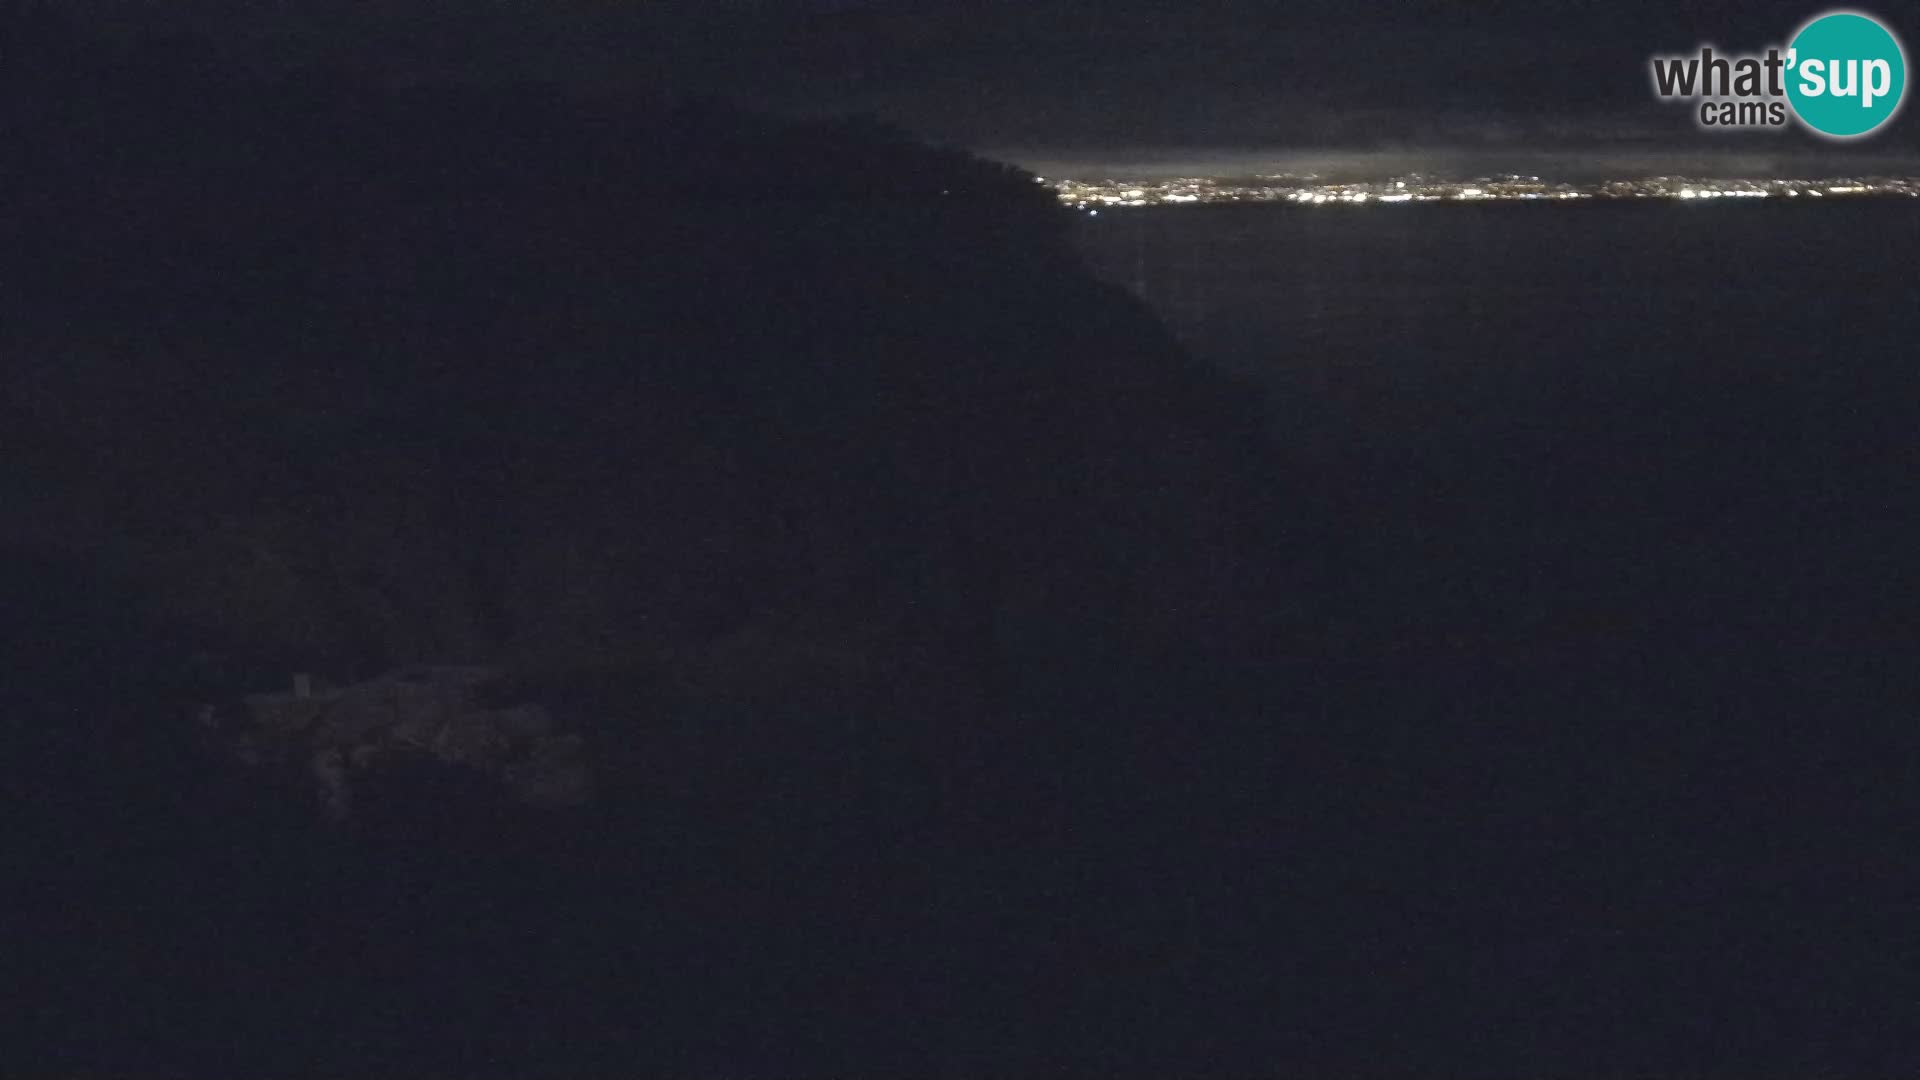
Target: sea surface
1610,518
1506,414
1379,318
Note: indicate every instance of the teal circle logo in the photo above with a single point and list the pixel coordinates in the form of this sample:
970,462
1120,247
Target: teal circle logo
1846,74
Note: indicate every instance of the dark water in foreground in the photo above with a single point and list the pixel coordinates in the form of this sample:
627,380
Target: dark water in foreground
1374,318
1611,515
1613,390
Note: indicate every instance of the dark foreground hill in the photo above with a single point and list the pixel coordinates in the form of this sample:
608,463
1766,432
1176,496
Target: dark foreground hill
879,550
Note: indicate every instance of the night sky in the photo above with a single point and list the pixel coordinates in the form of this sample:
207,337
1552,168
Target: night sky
1079,81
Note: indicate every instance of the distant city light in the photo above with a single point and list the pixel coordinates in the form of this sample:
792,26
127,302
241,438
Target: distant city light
1312,190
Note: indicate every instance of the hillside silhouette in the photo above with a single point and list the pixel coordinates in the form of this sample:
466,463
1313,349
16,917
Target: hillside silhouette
875,544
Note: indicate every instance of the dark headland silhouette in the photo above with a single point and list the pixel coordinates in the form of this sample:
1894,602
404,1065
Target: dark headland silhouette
951,650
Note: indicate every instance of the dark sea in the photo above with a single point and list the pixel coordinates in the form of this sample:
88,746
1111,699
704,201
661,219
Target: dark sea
1373,318
1606,520
1620,403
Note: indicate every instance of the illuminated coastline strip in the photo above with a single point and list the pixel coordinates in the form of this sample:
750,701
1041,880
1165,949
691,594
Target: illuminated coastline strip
1188,191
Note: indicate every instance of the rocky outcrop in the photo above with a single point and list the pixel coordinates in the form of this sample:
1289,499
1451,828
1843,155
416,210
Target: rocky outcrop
421,715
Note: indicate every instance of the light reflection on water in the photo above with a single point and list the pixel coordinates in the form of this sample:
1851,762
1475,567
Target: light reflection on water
1330,310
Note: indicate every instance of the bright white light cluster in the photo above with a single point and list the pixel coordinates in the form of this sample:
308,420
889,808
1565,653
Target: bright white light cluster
1315,191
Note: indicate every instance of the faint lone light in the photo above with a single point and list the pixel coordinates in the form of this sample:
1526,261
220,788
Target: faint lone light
1093,213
